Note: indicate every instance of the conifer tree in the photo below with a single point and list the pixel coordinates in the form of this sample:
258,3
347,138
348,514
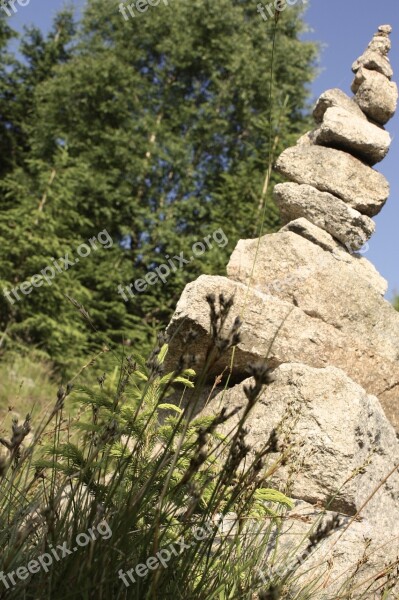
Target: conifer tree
158,130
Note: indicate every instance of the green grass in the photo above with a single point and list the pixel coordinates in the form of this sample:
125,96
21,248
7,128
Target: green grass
142,482
153,474
26,385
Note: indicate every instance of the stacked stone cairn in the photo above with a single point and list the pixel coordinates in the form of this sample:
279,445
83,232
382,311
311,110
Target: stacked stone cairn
312,307
334,186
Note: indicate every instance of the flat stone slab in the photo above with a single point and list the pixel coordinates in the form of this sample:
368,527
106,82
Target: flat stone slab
325,211
343,130
336,172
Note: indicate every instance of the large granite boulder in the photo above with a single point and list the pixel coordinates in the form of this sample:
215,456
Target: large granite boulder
341,445
277,331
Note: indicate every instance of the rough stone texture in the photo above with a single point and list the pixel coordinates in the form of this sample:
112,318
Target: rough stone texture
375,56
385,29
339,288
380,43
342,130
328,446
320,237
336,98
263,315
339,173
375,95
307,139
375,62
275,329
312,309
342,446
324,210
336,560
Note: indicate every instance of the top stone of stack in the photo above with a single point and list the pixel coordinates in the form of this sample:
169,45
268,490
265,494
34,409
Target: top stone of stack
331,167
375,56
375,94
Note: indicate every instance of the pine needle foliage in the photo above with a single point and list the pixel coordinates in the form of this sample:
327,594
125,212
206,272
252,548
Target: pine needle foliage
156,129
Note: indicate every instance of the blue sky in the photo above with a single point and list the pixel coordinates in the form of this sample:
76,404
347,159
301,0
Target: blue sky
344,28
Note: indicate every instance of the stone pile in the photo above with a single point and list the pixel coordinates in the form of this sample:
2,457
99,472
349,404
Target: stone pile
333,183
313,309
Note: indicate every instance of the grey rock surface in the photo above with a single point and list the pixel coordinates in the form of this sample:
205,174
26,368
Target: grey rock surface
322,238
341,443
351,556
336,98
374,61
278,331
340,289
336,172
376,95
342,130
341,449
324,210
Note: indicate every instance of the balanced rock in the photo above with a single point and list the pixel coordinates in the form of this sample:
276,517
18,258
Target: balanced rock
375,94
312,309
336,172
381,42
324,210
375,62
336,98
375,56
342,130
